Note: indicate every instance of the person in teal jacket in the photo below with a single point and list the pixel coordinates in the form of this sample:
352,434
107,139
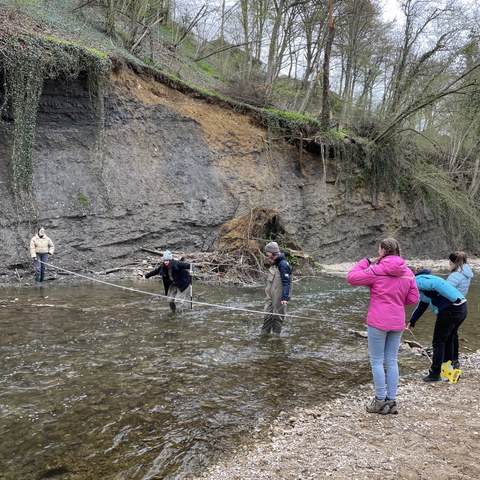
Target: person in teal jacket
450,306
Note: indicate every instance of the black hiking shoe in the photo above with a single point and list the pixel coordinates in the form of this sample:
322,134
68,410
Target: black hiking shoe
431,377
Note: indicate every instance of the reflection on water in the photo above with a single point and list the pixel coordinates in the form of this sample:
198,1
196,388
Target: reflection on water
99,382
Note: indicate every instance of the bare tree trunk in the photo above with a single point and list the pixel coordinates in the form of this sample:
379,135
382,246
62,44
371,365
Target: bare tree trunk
142,36
475,184
308,95
110,18
325,117
246,39
273,47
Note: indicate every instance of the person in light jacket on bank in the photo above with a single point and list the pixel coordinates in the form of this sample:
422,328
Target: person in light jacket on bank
392,286
460,277
40,248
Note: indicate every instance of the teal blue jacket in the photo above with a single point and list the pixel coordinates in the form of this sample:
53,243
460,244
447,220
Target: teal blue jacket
435,292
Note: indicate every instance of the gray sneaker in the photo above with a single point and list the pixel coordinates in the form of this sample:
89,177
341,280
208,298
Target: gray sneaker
378,406
392,405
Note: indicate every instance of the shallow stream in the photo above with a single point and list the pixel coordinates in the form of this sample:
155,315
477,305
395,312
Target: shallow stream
99,382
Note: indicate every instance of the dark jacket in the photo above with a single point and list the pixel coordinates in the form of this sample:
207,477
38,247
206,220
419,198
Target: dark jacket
181,277
285,275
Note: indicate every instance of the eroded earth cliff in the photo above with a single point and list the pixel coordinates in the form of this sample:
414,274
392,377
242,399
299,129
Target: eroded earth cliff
173,169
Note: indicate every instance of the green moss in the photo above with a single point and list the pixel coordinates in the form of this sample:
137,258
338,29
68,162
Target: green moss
68,43
294,123
285,90
194,88
335,135
84,201
189,49
208,69
209,93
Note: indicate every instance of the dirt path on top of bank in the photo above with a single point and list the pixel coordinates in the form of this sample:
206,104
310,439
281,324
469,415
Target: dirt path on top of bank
435,436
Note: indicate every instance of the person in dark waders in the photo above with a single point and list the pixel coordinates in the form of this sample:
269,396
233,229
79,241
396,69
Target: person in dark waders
40,248
277,291
176,276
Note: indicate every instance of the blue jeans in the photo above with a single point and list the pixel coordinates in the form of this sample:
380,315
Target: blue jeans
383,348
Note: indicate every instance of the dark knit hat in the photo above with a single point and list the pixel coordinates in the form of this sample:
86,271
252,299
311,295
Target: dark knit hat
272,247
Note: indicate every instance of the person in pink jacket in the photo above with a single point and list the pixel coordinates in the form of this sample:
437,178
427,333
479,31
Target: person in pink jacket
392,286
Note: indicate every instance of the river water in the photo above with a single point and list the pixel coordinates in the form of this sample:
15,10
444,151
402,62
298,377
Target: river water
98,382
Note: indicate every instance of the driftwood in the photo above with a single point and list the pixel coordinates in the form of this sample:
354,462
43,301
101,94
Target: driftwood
241,266
150,250
358,333
418,348
118,269
296,253
129,266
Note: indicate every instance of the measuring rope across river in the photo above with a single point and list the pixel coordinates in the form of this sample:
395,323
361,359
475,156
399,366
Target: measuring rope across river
158,295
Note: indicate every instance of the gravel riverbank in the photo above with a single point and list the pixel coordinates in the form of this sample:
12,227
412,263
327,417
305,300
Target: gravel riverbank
435,436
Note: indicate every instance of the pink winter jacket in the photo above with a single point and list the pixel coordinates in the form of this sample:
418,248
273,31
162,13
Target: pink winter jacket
392,286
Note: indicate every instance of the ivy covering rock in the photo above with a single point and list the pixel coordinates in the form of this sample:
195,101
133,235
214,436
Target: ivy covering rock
28,58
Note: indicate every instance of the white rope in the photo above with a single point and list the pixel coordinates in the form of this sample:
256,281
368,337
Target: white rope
422,348
158,295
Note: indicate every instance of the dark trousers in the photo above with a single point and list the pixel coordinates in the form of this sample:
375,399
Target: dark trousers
456,348
443,342
41,266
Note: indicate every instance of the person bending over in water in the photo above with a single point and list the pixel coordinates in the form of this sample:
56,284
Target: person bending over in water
176,276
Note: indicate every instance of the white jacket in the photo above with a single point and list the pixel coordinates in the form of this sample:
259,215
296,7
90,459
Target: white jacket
41,245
